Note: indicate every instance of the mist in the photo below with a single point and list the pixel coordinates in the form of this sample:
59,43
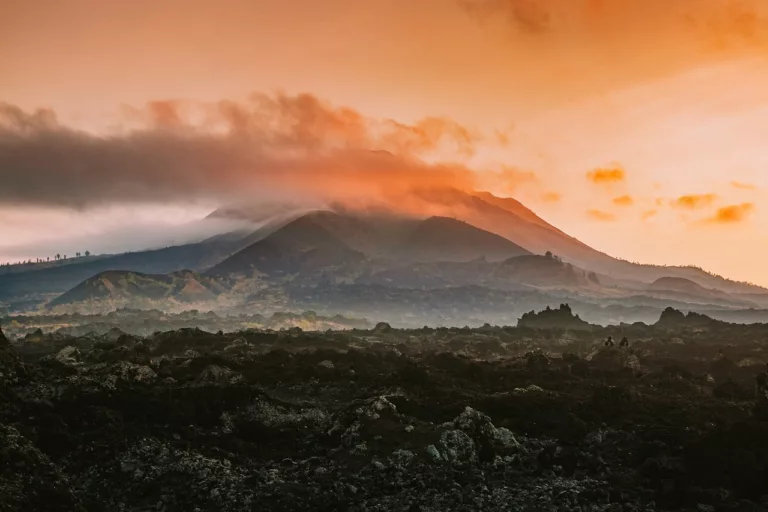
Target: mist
122,230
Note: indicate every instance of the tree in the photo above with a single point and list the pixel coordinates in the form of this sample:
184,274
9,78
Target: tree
548,255
87,253
58,257
77,255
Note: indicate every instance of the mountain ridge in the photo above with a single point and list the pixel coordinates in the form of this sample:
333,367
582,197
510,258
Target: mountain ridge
387,247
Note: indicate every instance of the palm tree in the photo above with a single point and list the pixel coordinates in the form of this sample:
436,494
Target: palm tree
58,256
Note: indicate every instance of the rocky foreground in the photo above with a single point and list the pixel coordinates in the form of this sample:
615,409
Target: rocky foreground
385,420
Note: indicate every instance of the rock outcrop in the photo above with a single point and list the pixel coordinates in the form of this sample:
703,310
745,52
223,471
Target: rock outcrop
561,318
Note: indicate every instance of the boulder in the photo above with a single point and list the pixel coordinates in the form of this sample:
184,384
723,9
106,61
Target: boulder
11,368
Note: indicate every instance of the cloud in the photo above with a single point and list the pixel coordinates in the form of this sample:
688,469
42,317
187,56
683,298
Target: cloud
507,180
743,186
551,197
606,44
623,201
694,201
526,15
612,175
601,215
732,214
741,19
185,150
649,214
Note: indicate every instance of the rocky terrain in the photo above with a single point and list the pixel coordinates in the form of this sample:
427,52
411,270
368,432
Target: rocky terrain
147,322
493,418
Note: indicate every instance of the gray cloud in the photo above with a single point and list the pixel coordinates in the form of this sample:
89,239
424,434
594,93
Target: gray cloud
176,151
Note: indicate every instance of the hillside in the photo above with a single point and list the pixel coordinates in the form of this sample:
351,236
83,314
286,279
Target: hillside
679,284
160,261
303,246
182,286
447,239
679,288
486,241
547,271
512,220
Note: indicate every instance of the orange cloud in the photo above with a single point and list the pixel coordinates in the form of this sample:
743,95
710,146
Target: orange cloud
649,214
740,19
601,215
732,214
551,197
743,186
694,201
506,180
599,176
623,201
229,151
619,42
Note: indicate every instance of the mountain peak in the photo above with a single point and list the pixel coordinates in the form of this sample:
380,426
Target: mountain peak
441,238
304,245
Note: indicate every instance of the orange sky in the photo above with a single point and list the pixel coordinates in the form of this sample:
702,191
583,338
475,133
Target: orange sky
672,94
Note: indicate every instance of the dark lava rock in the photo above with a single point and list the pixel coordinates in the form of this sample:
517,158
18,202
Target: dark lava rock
12,371
266,420
562,318
28,478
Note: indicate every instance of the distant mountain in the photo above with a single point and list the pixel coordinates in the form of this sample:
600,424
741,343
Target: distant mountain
303,246
325,239
546,271
372,235
679,288
512,220
447,239
116,285
682,285
38,283
519,273
509,219
471,240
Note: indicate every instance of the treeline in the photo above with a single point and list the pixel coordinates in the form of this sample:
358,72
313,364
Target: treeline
58,257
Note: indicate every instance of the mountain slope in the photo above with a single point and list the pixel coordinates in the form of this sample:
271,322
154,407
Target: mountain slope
301,247
159,261
447,239
372,235
679,288
182,286
678,284
337,243
545,271
510,219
